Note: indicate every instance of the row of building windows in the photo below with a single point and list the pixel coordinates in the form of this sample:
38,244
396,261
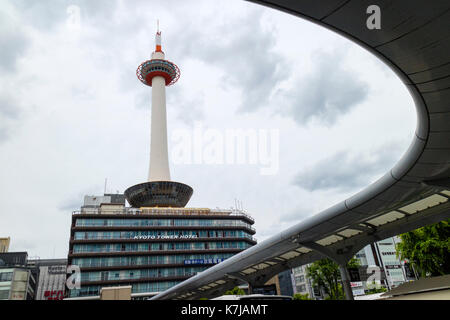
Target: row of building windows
395,275
145,260
389,253
159,222
393,262
135,288
301,288
6,276
164,233
163,246
140,274
157,68
4,294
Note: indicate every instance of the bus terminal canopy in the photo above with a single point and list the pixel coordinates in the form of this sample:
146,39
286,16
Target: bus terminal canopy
414,42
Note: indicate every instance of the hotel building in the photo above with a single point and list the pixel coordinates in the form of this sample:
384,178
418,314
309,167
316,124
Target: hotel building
151,249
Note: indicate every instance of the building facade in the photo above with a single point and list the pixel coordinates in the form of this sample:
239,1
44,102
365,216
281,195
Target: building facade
51,278
4,244
17,282
380,256
302,284
285,283
151,249
392,271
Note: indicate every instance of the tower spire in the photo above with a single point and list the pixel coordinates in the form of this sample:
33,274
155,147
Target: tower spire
158,38
159,190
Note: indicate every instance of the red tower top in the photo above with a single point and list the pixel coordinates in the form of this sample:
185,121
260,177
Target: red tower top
158,67
158,41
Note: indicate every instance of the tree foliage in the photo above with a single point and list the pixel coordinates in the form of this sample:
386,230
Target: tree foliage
325,273
299,296
427,249
235,291
375,288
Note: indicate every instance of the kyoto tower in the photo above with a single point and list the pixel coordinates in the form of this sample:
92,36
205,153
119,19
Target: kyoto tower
159,191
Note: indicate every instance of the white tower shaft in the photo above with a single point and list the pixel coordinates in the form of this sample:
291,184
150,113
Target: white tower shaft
159,159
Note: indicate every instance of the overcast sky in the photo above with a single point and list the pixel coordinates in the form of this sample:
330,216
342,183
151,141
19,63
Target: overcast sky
73,113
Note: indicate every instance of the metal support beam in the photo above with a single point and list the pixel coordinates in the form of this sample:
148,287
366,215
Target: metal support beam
443,183
346,282
340,259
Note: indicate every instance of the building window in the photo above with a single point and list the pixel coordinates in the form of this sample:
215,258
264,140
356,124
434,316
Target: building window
301,288
6,276
4,294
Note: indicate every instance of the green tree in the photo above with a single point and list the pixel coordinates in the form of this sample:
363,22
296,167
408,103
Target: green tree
427,249
235,291
299,296
325,273
374,288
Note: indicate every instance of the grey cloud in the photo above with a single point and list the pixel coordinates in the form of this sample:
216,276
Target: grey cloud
296,215
9,114
71,205
8,107
13,42
142,100
3,133
325,94
20,244
75,201
48,14
188,110
345,171
242,49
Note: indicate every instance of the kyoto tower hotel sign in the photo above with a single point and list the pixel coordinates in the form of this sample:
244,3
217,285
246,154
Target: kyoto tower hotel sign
159,191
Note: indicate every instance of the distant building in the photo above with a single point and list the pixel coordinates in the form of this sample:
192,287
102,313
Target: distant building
285,282
383,255
17,282
302,284
51,278
4,244
271,287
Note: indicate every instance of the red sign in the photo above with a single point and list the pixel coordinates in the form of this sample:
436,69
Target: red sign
54,295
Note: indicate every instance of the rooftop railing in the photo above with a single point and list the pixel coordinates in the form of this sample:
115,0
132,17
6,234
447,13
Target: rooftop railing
168,211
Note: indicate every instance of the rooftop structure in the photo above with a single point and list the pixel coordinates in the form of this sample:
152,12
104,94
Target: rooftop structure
4,244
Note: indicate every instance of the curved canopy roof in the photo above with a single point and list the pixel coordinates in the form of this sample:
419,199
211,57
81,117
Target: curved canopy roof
414,42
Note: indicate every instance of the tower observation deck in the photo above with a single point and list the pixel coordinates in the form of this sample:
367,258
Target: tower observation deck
159,190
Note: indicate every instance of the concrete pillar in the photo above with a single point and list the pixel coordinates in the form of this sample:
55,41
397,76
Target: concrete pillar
346,282
250,288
